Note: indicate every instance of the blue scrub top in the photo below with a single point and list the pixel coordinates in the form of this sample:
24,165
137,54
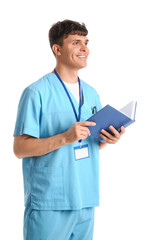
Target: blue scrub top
56,181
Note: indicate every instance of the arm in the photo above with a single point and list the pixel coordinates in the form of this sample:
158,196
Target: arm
102,145
110,139
27,146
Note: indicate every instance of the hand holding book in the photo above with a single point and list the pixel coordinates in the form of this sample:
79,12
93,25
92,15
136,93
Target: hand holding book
109,116
112,138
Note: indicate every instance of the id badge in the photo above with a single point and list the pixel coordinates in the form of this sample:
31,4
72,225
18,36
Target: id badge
81,152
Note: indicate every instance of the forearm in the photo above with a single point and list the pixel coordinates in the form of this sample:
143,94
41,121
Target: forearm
28,146
102,145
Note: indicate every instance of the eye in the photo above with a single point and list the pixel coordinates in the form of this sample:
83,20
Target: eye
75,43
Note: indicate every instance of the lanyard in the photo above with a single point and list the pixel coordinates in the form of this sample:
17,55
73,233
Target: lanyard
78,117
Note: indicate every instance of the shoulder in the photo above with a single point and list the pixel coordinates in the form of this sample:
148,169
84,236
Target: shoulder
40,86
41,83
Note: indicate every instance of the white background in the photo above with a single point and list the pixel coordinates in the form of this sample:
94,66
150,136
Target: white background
124,64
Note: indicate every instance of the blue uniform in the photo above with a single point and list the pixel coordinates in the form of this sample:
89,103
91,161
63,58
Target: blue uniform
56,181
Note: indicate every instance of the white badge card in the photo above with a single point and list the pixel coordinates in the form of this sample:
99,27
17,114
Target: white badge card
81,152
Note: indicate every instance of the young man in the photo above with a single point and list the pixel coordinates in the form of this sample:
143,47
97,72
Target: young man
51,135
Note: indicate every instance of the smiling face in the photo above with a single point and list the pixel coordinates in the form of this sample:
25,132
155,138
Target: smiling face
73,53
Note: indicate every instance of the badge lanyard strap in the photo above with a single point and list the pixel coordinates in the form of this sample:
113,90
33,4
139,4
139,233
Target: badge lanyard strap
80,96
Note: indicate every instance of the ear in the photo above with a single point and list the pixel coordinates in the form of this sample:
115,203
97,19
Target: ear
56,49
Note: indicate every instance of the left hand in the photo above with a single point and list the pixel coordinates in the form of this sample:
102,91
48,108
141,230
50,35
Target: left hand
109,138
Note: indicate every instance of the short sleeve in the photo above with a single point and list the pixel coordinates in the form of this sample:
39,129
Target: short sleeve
28,115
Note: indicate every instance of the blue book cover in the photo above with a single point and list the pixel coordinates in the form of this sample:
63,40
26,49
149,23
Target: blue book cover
110,116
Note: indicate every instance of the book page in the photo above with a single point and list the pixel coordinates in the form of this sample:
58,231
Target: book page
129,109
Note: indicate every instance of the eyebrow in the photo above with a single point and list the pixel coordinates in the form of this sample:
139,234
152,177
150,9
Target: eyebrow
79,40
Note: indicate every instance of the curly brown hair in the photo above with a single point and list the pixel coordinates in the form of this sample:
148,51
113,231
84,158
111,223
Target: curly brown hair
60,30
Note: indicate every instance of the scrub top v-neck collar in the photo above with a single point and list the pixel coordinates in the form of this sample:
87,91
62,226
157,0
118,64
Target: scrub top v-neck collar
72,96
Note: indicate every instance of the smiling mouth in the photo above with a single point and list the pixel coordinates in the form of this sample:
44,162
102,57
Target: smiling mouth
81,56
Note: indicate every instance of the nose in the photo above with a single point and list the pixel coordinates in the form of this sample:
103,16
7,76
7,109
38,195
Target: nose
83,47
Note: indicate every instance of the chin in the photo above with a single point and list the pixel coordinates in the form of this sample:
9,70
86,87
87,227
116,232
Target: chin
82,66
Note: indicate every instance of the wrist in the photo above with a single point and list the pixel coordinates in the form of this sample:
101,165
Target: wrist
102,145
64,138
57,141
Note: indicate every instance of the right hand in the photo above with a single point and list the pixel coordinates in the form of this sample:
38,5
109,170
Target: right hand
79,130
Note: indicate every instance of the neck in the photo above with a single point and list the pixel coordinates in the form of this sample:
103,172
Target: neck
67,74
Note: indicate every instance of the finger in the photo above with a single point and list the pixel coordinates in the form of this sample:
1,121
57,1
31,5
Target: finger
115,132
87,123
89,133
108,140
122,130
108,135
86,129
83,135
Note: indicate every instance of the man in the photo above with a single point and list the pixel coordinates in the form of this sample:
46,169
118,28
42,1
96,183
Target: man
60,158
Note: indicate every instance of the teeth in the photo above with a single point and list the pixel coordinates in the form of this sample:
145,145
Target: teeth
82,56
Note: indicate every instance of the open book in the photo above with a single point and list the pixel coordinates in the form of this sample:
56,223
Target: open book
110,116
